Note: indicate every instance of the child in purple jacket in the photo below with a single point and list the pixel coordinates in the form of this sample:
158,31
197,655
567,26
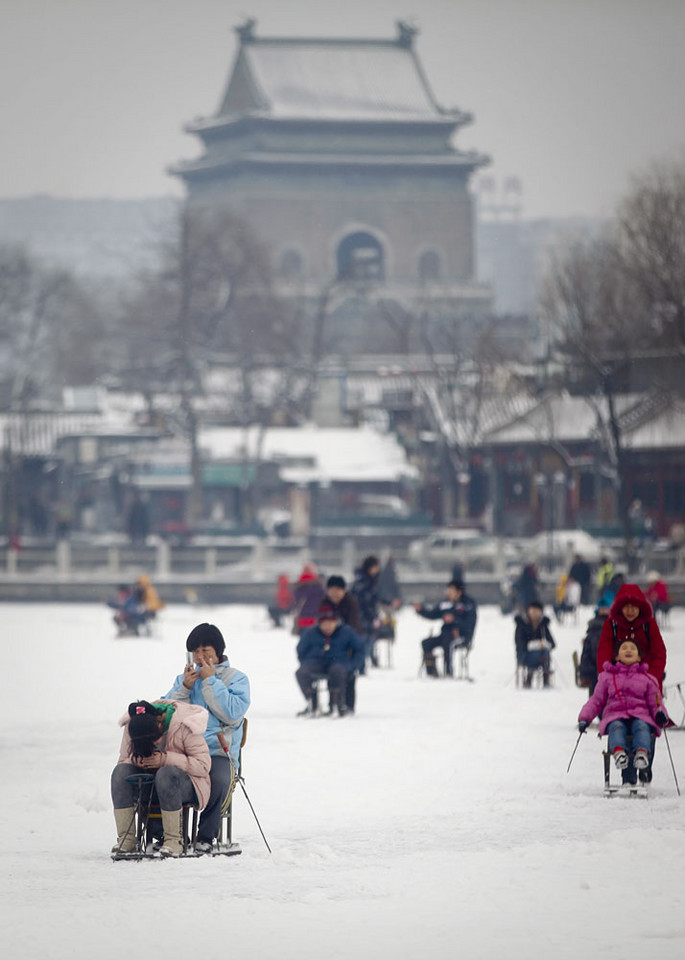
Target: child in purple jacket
629,701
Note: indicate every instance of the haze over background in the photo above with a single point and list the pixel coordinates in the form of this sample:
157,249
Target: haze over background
570,96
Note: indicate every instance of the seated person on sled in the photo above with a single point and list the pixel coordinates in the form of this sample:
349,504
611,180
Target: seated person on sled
534,643
458,614
211,682
129,614
333,650
164,738
629,701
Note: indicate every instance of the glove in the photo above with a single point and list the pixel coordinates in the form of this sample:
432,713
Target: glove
583,725
661,718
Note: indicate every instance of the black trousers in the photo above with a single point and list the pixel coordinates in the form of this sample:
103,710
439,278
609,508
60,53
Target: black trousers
311,670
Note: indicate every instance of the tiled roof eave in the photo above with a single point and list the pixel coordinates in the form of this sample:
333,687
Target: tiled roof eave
208,167
448,120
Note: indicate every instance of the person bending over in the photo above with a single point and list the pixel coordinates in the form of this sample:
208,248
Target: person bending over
165,739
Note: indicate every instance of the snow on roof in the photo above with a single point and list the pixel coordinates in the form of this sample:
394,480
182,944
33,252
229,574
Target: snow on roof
664,431
332,79
315,454
574,419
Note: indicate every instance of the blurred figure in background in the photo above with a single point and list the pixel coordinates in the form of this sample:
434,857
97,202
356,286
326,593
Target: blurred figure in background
309,595
284,600
534,643
658,596
582,574
587,668
605,572
526,587
365,589
147,597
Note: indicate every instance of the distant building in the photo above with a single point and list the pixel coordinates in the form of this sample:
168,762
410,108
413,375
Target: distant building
338,155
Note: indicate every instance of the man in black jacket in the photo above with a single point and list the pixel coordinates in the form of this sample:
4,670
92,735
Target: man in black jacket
345,605
458,613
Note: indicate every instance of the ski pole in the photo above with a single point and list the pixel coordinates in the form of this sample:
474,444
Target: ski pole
670,757
224,746
574,750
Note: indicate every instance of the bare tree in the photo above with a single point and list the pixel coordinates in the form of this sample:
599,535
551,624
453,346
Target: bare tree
50,328
651,242
210,297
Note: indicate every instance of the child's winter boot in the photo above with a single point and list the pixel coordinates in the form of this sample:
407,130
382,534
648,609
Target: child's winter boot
620,758
171,823
641,760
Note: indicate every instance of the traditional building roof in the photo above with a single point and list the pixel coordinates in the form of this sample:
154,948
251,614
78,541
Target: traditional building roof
647,422
286,98
329,79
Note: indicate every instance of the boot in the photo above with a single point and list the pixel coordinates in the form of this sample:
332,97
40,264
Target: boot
431,668
171,824
126,830
333,703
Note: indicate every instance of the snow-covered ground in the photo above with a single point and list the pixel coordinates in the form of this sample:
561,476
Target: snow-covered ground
439,822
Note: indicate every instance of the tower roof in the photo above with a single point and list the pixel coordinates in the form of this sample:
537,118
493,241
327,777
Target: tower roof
329,79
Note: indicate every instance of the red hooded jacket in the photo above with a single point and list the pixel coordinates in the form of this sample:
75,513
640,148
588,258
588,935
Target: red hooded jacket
643,631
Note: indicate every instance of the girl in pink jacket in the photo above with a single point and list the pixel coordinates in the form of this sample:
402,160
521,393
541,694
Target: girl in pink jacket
629,701
164,738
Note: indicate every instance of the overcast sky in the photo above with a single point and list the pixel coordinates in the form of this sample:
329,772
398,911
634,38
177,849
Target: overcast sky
570,96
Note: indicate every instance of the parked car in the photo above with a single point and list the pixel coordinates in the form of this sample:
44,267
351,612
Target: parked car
477,551
555,549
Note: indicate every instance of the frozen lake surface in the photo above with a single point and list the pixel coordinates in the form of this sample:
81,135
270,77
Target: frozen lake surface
438,822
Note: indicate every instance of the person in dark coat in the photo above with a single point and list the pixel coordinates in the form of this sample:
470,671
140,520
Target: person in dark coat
587,668
458,613
347,609
527,587
309,595
581,572
343,602
534,642
389,590
365,589
330,649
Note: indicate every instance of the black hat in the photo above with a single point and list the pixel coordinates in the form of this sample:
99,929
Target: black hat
143,727
336,581
206,635
326,612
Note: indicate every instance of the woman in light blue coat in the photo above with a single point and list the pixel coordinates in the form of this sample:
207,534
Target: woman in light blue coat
210,682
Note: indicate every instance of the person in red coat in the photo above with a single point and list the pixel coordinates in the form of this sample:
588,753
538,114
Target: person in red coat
631,618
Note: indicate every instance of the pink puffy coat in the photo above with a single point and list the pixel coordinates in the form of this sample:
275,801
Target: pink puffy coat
185,746
624,692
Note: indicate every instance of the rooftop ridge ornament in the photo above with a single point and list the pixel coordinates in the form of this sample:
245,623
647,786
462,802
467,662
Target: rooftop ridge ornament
246,31
406,33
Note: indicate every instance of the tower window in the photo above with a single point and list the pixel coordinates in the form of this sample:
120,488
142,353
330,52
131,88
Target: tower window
360,257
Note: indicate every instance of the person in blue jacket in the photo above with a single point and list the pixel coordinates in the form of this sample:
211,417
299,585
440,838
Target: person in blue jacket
211,682
330,649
